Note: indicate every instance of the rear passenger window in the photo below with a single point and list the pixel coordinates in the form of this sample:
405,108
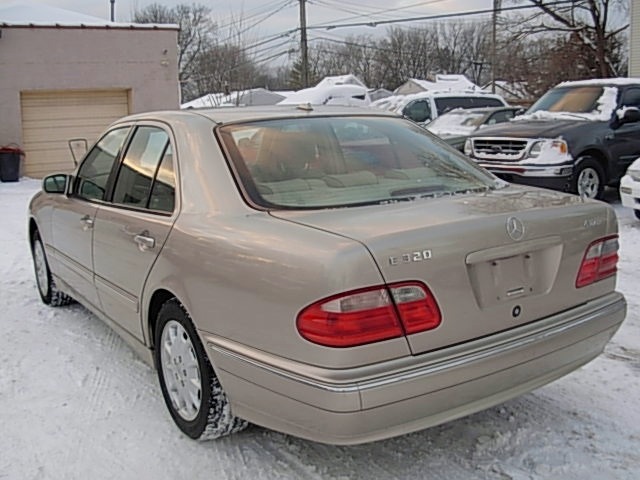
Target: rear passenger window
149,154
164,185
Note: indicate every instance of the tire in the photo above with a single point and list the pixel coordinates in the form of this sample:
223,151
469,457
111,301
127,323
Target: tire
588,180
637,212
47,288
191,390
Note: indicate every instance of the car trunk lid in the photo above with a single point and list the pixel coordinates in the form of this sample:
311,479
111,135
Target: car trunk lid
493,261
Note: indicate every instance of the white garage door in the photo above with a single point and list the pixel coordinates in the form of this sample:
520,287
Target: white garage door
51,119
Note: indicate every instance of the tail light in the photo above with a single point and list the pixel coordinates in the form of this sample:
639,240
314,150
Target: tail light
600,261
370,315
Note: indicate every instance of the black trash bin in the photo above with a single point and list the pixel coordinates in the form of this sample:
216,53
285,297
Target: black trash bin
10,164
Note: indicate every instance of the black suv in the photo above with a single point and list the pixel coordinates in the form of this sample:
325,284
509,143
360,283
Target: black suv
579,137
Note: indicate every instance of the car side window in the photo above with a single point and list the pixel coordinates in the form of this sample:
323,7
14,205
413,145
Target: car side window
631,98
141,160
94,172
164,186
418,111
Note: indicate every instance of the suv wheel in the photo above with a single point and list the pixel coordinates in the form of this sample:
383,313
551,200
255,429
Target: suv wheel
588,180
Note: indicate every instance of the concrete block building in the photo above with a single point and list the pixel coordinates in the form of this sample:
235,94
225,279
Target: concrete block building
66,76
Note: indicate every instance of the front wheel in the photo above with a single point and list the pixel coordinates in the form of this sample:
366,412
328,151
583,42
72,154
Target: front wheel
191,390
47,288
588,180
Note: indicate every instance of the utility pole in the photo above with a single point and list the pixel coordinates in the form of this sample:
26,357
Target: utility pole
303,44
113,10
494,25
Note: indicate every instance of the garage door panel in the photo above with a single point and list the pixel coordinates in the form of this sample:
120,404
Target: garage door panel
51,119
65,112
61,134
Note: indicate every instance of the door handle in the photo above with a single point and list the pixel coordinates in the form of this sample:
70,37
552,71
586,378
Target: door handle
87,222
145,241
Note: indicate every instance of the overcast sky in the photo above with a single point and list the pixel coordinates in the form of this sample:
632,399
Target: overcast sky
268,18
318,11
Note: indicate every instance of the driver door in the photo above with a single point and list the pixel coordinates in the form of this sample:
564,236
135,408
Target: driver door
73,217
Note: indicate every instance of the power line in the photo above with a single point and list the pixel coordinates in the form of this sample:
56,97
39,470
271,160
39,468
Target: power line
261,10
270,14
435,17
370,13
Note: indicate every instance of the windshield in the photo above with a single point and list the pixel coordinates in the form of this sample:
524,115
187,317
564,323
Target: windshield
458,118
582,99
326,162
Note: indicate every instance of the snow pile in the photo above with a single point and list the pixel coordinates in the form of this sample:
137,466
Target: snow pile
76,403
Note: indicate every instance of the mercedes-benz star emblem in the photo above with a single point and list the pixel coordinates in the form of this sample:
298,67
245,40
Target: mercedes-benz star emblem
515,228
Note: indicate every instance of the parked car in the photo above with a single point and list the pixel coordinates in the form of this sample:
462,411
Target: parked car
579,137
630,188
338,274
456,125
424,107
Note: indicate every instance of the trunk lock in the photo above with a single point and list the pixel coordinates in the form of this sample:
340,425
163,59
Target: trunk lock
517,310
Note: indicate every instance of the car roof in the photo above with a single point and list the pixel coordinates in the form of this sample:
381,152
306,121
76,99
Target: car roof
602,82
244,114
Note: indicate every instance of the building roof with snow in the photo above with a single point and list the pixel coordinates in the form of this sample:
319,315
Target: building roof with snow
31,14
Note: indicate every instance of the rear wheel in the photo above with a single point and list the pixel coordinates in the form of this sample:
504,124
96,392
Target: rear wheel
47,288
192,392
588,181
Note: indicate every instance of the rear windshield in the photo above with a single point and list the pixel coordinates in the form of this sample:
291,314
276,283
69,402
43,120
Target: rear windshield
326,162
446,104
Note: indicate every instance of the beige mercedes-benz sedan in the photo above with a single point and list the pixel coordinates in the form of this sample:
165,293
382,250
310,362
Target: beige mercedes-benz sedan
338,274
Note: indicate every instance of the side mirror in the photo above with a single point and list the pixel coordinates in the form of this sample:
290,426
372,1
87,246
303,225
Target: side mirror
57,183
628,115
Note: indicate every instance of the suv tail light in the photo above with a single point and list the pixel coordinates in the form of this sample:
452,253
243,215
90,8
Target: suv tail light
600,261
369,315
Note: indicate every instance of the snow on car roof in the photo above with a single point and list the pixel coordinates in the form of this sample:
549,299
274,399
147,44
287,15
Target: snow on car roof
320,95
601,82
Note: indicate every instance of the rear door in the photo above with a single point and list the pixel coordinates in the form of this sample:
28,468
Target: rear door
73,217
130,231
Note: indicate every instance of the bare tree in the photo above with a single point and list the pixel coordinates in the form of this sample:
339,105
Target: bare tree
595,25
197,34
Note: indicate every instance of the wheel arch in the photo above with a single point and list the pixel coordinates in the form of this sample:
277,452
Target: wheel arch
159,298
600,157
33,228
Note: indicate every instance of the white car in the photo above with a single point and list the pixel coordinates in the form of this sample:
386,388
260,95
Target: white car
630,188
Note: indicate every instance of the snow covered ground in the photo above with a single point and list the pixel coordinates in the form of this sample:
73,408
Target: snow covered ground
76,403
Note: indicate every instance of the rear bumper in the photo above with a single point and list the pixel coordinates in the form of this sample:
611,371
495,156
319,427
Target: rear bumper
396,397
630,192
